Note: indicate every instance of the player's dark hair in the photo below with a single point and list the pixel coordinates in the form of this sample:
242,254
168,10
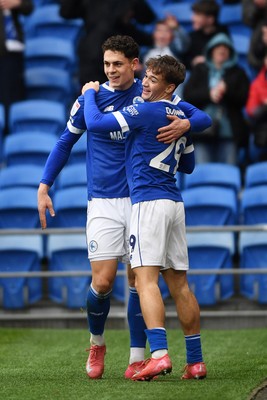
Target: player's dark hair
124,44
172,70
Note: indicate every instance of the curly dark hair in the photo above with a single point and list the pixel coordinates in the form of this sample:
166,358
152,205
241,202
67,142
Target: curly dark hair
122,43
172,70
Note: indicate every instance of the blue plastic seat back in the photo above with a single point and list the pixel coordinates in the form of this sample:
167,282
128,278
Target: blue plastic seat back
214,174
71,207
46,21
253,254
26,175
50,84
20,253
28,148
68,253
211,250
210,205
256,174
18,208
72,175
254,205
50,52
182,11
37,115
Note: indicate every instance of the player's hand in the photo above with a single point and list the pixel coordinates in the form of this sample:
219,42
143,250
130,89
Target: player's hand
169,133
44,203
91,85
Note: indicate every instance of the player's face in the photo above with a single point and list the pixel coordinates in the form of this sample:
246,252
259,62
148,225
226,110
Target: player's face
154,87
119,69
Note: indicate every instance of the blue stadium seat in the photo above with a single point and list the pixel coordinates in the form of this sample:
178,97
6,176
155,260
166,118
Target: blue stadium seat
50,52
50,84
231,14
20,253
28,148
118,290
214,174
26,175
254,205
70,207
18,208
78,152
211,250
182,11
210,205
256,174
37,115
241,44
72,175
253,254
46,21
68,253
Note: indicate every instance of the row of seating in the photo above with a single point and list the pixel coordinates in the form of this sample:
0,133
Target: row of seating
69,253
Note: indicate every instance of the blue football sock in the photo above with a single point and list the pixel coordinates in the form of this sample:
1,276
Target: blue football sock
136,321
98,306
157,338
193,349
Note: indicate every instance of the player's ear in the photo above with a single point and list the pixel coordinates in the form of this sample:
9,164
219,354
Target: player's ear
170,88
135,63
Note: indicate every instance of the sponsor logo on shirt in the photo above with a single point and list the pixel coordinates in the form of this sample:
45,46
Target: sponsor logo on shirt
173,111
75,108
117,135
132,110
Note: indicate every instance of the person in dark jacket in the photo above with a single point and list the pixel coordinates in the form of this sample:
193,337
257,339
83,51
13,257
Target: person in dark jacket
220,87
12,51
101,20
205,24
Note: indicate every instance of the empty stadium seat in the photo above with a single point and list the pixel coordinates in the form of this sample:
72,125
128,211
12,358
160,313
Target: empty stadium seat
72,175
50,84
71,207
256,174
37,115
68,253
78,152
182,11
214,174
211,250
18,208
50,52
26,175
20,253
254,205
231,14
210,205
46,21
28,148
253,254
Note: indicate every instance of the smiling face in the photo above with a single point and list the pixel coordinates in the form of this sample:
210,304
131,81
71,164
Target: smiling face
119,69
155,87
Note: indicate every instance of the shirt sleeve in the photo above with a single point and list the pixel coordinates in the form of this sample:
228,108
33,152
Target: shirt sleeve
199,120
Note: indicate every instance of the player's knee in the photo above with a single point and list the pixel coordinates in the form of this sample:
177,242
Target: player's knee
102,284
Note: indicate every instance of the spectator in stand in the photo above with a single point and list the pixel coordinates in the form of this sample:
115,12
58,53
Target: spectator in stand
11,51
169,38
115,17
220,87
256,109
205,26
255,16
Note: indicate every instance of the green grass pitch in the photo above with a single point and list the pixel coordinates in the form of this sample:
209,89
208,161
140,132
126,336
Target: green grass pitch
37,364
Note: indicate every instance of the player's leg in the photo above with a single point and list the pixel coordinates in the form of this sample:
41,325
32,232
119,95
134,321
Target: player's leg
154,315
189,317
104,230
98,305
137,328
149,222
185,301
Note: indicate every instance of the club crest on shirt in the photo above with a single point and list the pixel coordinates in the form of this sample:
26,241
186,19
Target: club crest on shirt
138,99
93,246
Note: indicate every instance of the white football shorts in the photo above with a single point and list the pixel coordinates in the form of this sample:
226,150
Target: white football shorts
158,235
107,229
